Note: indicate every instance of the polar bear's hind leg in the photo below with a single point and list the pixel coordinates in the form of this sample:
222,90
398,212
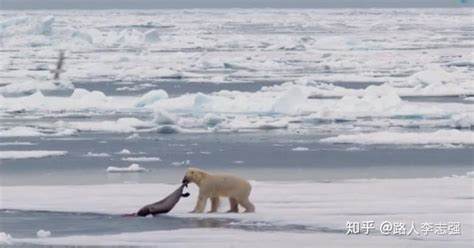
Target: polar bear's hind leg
214,204
249,207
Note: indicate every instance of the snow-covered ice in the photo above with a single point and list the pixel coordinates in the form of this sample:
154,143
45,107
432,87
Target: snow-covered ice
300,149
5,239
99,154
130,168
124,151
317,205
30,154
141,159
43,233
437,137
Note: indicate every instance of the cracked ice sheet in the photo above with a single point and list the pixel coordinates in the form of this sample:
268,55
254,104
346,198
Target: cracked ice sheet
313,204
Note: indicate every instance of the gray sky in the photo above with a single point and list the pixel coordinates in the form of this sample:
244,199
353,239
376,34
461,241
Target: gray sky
159,4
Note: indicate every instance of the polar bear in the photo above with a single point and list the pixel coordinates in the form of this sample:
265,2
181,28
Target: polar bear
214,186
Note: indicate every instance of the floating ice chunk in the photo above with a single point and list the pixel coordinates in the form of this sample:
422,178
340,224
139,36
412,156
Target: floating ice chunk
43,233
212,120
94,96
142,159
433,76
152,36
133,136
375,100
470,174
290,101
201,101
300,149
163,117
24,87
100,154
30,154
82,36
462,120
181,163
443,146
45,26
151,97
5,239
20,131
437,137
12,22
124,151
122,125
79,100
128,37
17,143
131,168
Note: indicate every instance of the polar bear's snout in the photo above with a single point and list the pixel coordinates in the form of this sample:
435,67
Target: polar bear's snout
185,180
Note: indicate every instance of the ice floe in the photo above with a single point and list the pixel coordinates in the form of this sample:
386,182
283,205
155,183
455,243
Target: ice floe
43,233
131,168
99,154
17,143
406,138
22,131
300,149
124,151
151,97
142,159
5,239
321,206
122,125
181,163
30,154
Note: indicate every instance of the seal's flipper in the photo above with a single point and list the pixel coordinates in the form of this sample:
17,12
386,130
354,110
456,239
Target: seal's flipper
165,205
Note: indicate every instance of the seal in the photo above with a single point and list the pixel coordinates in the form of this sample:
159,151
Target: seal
165,205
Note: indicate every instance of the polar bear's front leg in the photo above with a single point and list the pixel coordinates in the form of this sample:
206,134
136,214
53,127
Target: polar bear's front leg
214,204
200,204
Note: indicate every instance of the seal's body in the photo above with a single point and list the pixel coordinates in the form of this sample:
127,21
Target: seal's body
165,205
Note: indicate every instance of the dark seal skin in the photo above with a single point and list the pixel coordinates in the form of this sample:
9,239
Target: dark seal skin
165,205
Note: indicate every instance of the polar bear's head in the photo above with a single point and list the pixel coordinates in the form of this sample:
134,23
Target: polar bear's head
194,175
